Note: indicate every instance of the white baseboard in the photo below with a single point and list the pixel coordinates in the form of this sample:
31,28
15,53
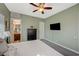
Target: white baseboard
64,46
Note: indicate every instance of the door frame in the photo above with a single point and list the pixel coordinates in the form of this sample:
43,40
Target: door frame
41,30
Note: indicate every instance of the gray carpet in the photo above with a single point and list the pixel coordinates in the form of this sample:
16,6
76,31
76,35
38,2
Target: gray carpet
60,49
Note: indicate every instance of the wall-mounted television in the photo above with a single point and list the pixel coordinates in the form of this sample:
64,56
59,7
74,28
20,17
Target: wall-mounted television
55,26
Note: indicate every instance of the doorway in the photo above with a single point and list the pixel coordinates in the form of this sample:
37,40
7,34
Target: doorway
16,30
41,30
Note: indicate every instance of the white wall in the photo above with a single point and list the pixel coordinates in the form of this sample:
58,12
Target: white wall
78,28
28,21
67,36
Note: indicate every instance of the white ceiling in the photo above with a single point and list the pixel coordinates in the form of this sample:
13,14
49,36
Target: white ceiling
26,8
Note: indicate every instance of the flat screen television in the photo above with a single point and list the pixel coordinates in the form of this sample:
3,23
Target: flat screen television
55,26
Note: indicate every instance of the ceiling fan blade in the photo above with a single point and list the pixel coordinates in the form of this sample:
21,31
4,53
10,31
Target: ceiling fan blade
33,4
47,7
35,10
42,12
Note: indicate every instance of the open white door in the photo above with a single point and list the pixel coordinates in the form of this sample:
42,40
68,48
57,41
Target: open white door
2,28
41,30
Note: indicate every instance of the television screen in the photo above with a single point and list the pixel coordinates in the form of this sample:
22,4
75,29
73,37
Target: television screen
55,26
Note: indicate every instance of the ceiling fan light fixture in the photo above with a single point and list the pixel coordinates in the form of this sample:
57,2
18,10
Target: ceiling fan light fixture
41,9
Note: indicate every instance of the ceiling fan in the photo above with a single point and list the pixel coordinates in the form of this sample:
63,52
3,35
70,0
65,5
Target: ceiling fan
41,7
